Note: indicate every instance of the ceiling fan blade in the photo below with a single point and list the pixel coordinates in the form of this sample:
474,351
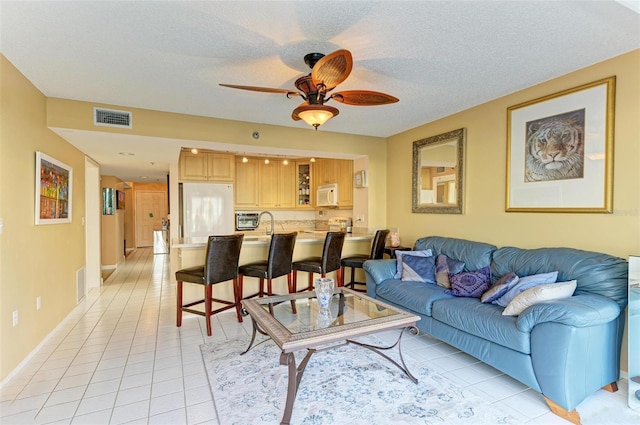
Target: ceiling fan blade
332,69
262,89
364,98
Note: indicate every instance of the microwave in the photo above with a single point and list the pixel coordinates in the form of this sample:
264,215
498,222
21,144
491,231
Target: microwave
327,195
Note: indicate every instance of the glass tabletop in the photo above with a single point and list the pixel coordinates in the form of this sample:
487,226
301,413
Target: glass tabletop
345,309
350,314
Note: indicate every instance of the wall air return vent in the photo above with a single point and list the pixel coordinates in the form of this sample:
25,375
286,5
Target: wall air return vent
112,118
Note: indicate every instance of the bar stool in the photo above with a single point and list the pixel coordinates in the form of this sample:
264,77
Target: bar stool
278,263
221,265
356,261
329,261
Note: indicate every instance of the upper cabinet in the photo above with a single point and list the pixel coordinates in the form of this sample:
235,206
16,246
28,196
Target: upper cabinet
277,182
338,171
207,166
345,183
246,184
304,189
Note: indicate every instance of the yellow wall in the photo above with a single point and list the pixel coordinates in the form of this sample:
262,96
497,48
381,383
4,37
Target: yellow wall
63,113
485,218
112,235
36,260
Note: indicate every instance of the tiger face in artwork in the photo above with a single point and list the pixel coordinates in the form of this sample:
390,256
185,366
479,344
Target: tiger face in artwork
555,148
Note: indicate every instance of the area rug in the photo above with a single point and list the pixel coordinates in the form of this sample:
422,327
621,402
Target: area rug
345,385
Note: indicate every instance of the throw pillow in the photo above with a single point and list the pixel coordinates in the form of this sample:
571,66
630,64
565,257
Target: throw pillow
537,294
470,284
446,266
401,254
525,283
419,269
499,288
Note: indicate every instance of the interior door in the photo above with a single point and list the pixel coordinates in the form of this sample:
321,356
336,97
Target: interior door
151,208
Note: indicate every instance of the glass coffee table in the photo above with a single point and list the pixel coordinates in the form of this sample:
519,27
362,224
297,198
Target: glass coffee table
350,315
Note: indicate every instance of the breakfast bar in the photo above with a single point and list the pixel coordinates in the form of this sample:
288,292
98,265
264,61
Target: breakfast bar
188,252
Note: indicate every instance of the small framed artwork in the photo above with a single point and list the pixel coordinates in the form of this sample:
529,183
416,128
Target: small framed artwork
560,151
108,201
360,178
54,190
120,200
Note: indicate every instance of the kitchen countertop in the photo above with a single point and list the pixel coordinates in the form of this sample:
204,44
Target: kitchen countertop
260,239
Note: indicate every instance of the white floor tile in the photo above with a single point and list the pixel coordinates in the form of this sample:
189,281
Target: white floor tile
119,358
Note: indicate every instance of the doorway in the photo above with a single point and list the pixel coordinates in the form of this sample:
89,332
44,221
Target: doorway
150,210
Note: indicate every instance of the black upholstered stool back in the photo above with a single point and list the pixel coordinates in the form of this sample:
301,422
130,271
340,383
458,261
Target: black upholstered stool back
221,264
356,261
330,261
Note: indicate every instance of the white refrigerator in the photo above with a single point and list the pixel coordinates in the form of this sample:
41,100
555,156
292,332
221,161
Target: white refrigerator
207,209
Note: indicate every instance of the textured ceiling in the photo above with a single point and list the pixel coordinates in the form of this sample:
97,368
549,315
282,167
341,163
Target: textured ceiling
437,57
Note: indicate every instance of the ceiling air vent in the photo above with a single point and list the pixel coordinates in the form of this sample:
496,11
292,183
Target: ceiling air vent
112,118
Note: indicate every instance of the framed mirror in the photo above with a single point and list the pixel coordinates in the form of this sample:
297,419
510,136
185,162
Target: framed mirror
438,171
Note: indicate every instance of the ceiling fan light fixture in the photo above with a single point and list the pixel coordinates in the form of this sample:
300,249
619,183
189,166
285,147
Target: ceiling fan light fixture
315,115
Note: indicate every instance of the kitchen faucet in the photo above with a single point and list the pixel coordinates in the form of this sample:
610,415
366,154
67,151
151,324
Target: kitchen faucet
272,221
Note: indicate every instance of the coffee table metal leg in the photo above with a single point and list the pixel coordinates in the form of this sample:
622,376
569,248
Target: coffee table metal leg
403,366
256,328
295,375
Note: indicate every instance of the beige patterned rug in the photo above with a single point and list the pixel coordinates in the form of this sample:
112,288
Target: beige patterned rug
346,385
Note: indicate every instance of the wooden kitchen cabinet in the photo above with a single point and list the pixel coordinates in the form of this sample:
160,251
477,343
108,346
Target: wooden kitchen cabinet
246,184
304,185
325,171
277,182
207,166
338,171
345,183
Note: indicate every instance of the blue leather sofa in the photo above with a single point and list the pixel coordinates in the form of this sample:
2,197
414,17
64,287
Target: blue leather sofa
565,349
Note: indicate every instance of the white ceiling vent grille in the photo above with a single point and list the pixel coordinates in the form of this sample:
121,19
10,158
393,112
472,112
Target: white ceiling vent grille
112,118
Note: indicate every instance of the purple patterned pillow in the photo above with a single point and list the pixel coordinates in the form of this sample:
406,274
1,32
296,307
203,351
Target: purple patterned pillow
470,284
444,267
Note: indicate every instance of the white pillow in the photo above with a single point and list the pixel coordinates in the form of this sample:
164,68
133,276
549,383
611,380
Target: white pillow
399,254
537,294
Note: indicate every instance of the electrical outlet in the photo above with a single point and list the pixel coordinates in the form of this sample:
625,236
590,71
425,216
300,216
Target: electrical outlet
15,318
38,302
361,218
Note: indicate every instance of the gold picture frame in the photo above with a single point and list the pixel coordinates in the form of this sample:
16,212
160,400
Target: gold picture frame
560,151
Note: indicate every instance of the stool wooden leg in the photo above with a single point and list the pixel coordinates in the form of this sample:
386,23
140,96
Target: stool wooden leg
291,291
208,290
261,289
269,288
179,304
295,282
310,286
238,297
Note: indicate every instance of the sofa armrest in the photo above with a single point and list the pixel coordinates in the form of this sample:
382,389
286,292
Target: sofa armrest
380,270
579,311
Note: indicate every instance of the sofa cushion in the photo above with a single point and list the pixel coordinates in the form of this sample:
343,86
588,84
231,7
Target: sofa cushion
415,296
482,320
419,269
525,283
500,288
474,255
595,272
538,294
446,266
400,254
470,284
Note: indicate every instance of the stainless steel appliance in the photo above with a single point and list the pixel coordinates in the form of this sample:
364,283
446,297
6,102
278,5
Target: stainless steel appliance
247,220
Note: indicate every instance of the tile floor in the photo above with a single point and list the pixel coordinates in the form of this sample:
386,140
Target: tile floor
119,358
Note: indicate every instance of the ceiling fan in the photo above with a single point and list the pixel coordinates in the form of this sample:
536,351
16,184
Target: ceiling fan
326,73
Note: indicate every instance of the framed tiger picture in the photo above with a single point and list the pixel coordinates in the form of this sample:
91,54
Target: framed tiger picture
560,151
